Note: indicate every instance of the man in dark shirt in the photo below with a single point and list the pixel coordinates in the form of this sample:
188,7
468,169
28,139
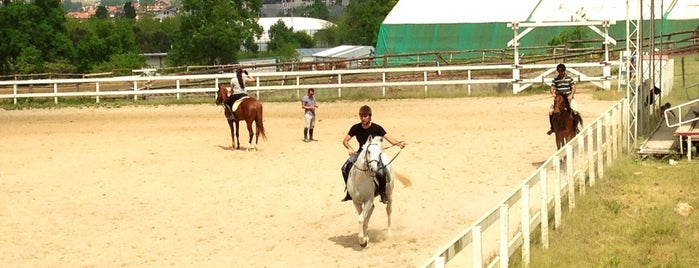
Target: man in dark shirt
362,131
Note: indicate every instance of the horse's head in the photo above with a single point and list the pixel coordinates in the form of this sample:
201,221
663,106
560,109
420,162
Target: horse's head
372,153
560,103
222,94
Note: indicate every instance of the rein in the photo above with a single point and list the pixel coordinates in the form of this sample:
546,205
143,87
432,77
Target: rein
354,165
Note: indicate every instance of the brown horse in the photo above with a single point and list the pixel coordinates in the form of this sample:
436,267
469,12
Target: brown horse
249,110
565,121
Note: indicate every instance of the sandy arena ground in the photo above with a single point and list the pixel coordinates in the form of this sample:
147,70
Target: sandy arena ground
159,186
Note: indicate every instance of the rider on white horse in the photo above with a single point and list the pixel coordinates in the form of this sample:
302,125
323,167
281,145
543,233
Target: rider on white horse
362,131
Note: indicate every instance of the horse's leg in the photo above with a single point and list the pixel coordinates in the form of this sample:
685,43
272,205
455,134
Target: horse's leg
237,134
248,122
389,209
232,127
364,216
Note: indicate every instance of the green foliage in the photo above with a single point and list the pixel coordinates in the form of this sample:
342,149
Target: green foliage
38,26
317,10
363,19
129,11
129,60
101,13
329,36
284,41
213,31
153,36
568,34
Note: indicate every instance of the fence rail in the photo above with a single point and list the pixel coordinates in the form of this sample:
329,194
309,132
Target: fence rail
519,76
507,227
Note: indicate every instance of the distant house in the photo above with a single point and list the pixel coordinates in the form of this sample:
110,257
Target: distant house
166,13
155,60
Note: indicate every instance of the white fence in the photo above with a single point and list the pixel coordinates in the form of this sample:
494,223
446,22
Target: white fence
461,75
507,227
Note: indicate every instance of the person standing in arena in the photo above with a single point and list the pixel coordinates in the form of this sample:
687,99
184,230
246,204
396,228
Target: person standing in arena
309,105
362,131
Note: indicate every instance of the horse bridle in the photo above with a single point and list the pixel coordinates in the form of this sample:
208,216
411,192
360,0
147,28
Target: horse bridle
379,158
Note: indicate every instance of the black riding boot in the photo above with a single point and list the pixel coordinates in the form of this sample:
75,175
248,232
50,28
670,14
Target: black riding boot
305,134
345,174
381,178
550,125
382,188
310,134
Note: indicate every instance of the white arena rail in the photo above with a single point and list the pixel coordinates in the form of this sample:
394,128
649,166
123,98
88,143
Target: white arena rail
507,227
269,81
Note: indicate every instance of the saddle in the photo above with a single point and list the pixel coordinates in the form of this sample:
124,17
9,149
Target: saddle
237,103
235,106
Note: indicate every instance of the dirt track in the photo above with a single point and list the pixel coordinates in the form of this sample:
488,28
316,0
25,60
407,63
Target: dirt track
160,186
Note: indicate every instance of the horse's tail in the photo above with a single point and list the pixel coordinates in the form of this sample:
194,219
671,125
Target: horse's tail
578,122
258,121
401,177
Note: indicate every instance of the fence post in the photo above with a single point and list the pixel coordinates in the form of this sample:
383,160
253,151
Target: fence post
97,91
570,178
600,150
526,228
504,236
557,193
544,209
608,128
477,247
581,160
591,156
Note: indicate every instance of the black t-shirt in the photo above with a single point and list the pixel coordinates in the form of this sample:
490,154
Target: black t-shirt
363,134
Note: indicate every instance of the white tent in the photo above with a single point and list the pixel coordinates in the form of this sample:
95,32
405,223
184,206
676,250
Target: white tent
455,25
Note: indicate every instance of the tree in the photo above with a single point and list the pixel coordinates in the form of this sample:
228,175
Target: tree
101,13
568,34
129,11
33,33
318,10
284,41
213,31
363,19
153,36
98,41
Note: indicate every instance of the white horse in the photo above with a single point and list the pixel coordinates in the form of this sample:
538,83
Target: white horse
362,184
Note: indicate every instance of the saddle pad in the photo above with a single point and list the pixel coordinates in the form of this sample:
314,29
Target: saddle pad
237,103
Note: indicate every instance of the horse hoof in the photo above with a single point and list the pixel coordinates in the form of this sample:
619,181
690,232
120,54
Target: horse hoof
364,242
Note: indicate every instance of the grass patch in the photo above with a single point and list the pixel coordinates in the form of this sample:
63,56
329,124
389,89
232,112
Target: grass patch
628,220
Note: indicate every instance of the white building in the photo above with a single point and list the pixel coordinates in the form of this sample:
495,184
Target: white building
299,24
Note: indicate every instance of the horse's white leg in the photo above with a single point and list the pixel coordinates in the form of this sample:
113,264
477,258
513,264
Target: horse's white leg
364,216
388,213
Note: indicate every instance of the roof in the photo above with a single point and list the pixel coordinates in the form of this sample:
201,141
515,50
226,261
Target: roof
345,51
461,11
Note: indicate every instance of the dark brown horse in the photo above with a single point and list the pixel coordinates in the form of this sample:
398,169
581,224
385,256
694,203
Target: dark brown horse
565,121
249,110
